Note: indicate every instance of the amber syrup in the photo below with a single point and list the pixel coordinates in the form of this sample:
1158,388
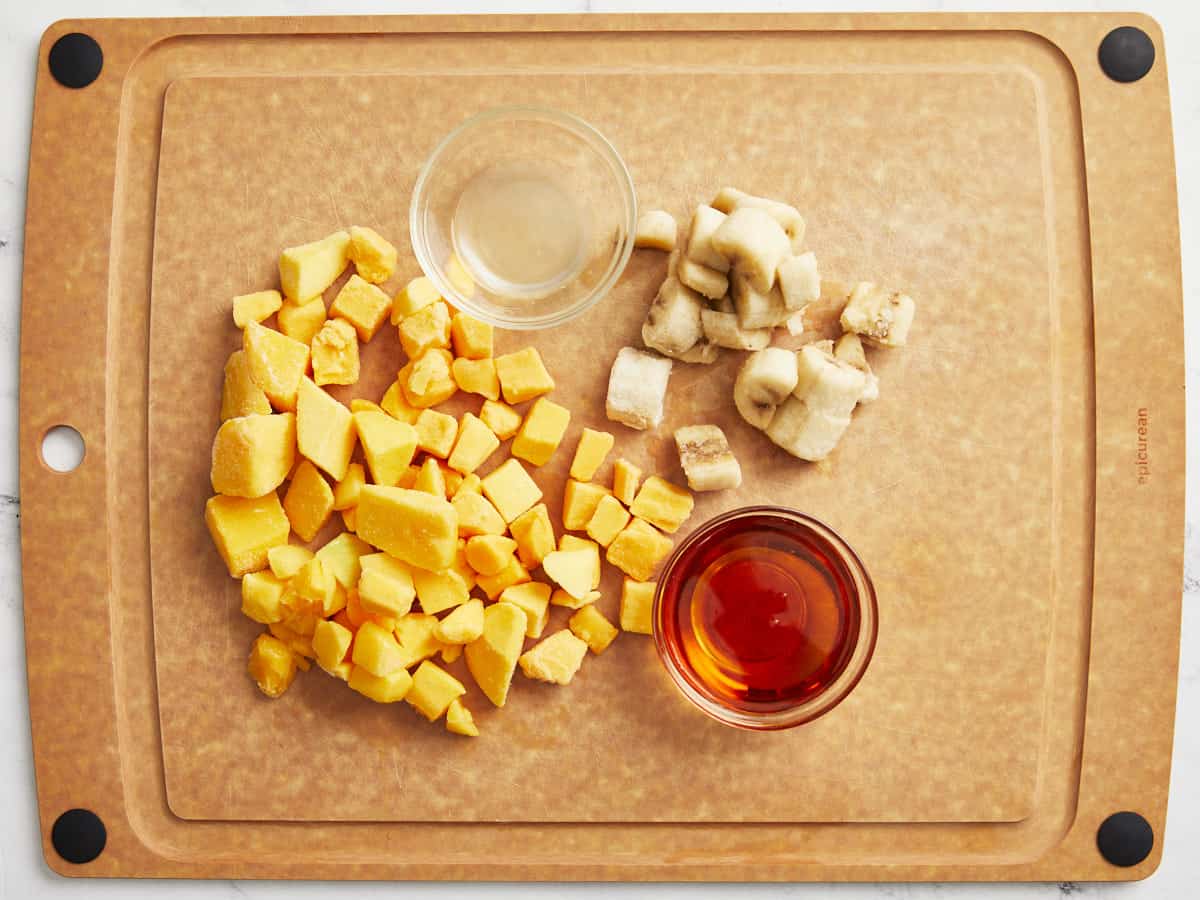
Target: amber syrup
760,613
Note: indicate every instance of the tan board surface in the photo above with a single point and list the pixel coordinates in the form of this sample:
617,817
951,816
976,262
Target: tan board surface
943,155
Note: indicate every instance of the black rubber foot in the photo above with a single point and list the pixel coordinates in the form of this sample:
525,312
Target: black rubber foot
76,60
1126,54
78,836
1125,839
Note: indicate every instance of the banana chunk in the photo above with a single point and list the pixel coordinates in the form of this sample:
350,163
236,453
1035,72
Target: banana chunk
799,281
656,230
672,323
754,243
795,323
849,349
882,317
826,383
728,199
804,431
637,386
765,380
700,278
722,329
703,353
705,222
707,461
755,308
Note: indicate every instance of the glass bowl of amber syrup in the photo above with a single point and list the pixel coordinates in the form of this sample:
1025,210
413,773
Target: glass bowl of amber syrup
765,618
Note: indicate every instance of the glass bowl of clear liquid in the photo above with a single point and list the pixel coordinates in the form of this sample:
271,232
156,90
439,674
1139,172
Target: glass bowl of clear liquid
523,217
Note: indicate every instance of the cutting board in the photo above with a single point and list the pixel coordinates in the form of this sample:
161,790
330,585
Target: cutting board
1016,493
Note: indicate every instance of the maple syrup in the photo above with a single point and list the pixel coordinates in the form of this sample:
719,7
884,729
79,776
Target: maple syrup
760,613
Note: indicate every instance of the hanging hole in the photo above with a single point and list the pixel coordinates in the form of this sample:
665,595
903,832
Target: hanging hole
62,448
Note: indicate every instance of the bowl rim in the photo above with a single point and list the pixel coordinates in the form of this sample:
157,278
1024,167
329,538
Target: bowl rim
571,122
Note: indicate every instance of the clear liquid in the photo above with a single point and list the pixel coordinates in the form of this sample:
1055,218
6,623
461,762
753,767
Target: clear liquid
519,231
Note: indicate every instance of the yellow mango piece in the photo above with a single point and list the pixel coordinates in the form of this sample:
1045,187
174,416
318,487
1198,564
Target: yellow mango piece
469,485
414,527
427,381
426,329
590,452
637,606
308,502
416,295
440,591
385,586
252,455
492,658
580,499
345,493
433,690
255,307
302,321
474,444
286,560
342,557
331,642
626,477
376,650
324,429
662,504
388,689
387,444
358,404
607,521
341,671
374,258
501,418
335,353
262,595
277,363
562,598
571,542
299,644
541,432
415,634
494,585
453,479
476,376
533,599
430,480
571,570
408,477
463,625
488,554
639,549
451,652
510,489
472,339
245,529
534,535
272,665
554,660
363,305
435,432
356,615
305,271
476,515
313,588
590,626
350,518
459,720
240,396
523,375
395,404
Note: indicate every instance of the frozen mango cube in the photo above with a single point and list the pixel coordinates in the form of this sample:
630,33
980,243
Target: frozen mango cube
607,521
501,418
324,429
662,504
277,363
385,586
554,660
414,527
374,257
335,353
476,515
580,499
376,650
476,376
638,549
245,529
299,644
396,405
463,625
452,479
562,598
590,626
427,381
311,588
590,452
305,271
416,295
387,444
541,432
358,404
474,444
492,658
308,502
451,652
341,671
426,329
357,615
272,665
345,493
408,477
350,518
637,606
240,396
626,477
469,485
433,690
302,321
533,599
255,307
534,535
494,585
472,338
440,591
459,719
252,455
571,542
510,489
523,375
488,554
415,634
286,560
429,479
571,570
436,432
262,596
388,689
342,557
363,305
331,642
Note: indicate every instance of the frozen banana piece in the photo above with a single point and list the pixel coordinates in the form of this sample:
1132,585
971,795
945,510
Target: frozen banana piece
827,383
707,461
804,431
728,199
799,281
754,243
672,323
703,353
849,349
755,308
882,317
765,380
700,278
700,246
722,330
656,230
637,387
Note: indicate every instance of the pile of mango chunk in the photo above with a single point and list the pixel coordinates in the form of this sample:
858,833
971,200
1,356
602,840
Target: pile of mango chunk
434,559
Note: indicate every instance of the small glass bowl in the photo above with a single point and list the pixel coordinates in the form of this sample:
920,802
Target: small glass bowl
841,567
555,152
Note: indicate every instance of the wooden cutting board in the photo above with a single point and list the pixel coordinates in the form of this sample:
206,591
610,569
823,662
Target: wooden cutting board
1027,558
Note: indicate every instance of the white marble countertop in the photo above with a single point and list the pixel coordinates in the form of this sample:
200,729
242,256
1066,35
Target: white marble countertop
23,874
